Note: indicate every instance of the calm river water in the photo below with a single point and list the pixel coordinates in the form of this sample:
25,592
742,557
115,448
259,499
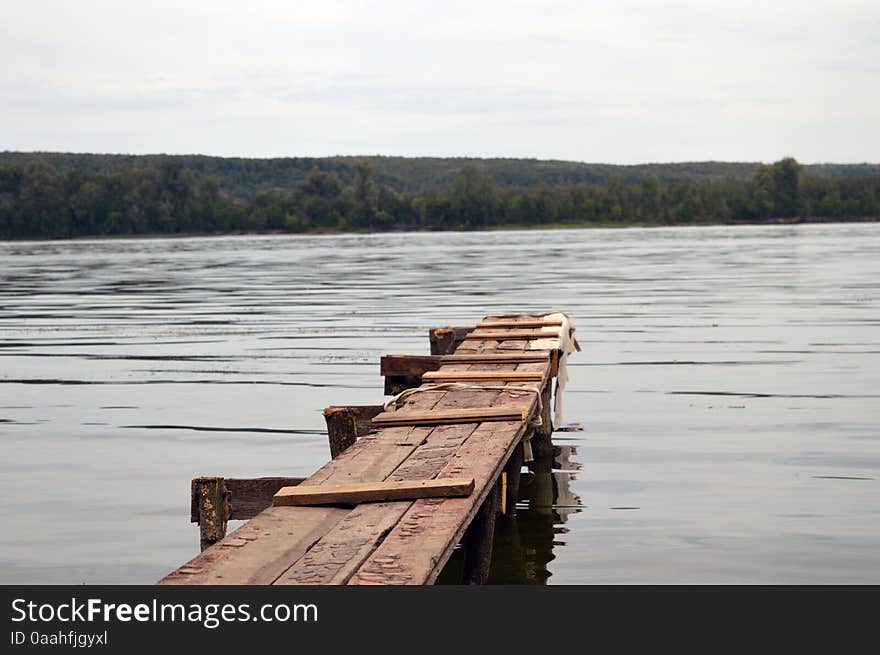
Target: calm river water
727,391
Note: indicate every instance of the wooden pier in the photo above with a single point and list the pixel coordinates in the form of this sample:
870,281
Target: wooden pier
409,480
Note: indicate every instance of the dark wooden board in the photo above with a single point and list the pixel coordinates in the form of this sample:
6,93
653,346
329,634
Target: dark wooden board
250,496
408,365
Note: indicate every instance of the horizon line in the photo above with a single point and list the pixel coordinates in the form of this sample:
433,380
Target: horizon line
440,157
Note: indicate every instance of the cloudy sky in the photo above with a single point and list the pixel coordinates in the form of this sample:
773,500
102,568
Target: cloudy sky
622,81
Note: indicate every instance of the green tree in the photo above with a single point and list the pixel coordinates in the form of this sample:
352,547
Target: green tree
777,189
364,196
473,197
321,184
786,187
649,202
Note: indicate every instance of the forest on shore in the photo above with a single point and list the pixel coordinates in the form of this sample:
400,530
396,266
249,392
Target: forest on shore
56,195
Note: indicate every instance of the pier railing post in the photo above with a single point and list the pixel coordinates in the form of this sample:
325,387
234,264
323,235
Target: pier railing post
444,340
342,429
210,502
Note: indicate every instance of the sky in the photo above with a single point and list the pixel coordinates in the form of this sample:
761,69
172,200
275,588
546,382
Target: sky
620,82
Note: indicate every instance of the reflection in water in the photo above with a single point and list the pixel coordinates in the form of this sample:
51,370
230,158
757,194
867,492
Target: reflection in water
524,544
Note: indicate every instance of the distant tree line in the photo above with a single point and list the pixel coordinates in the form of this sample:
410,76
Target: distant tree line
38,200
242,177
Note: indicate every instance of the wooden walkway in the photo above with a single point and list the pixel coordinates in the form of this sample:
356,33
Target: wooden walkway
469,412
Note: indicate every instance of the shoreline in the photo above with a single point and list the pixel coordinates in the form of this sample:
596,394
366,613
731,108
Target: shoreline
819,220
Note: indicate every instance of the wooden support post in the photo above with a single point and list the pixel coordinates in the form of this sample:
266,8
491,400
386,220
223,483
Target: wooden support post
211,501
513,471
405,371
541,490
363,415
394,384
408,365
346,423
542,434
478,540
445,339
442,341
341,429
247,497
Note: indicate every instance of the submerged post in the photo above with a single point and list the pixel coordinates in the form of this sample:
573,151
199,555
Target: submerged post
542,433
478,540
512,473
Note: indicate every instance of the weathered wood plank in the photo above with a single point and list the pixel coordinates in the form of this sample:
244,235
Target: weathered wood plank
496,358
511,334
338,555
447,417
371,492
417,365
512,376
327,545
260,551
517,318
416,549
493,324
334,558
389,565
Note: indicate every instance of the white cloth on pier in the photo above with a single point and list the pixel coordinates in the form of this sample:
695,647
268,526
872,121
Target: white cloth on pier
566,344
